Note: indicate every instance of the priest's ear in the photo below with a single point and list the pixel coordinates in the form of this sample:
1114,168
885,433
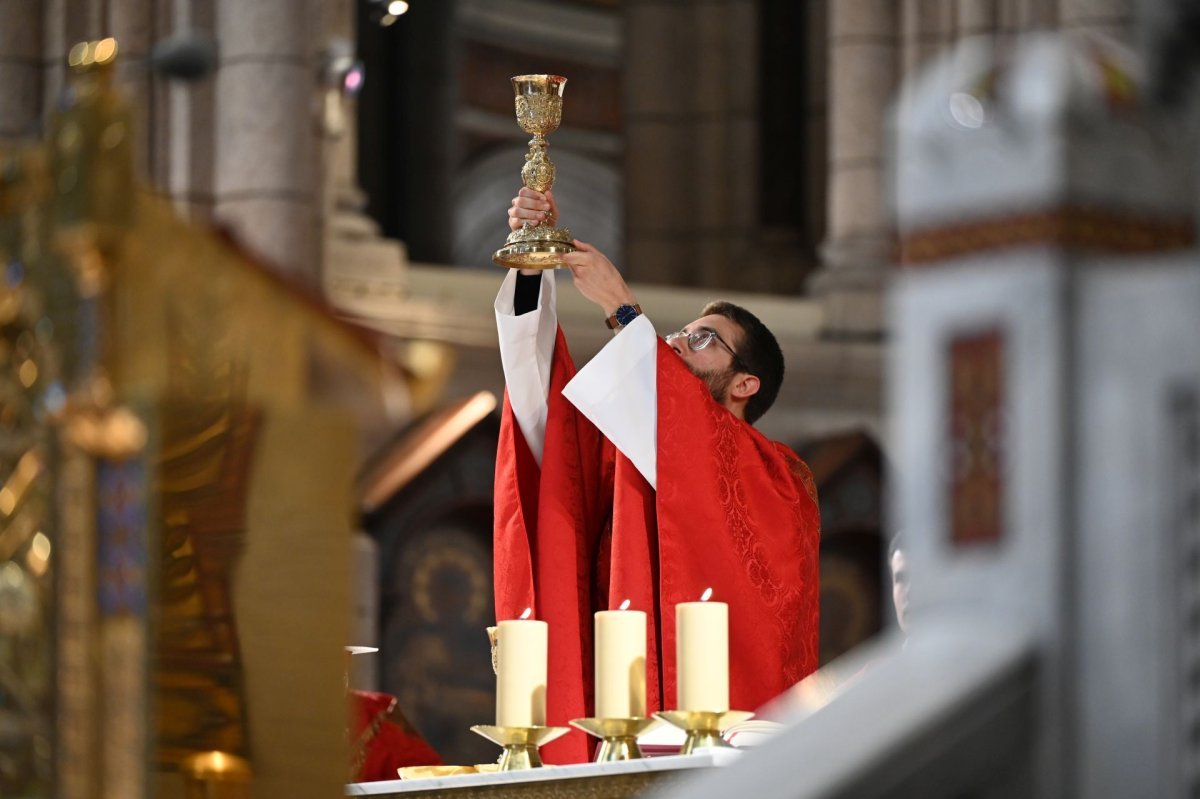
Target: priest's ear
745,386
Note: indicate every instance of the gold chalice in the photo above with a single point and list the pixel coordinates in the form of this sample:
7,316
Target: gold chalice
539,110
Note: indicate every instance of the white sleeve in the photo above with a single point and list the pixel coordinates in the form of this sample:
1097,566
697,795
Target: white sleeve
526,352
618,391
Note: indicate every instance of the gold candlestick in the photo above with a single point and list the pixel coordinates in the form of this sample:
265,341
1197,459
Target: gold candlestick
703,727
539,111
520,743
619,736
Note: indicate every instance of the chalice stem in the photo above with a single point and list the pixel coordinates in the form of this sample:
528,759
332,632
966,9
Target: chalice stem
538,172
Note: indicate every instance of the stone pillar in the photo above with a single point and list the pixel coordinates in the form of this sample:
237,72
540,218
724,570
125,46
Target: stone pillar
1111,17
864,67
339,118
132,24
189,155
362,273
691,140
20,68
266,171
1022,16
926,28
975,18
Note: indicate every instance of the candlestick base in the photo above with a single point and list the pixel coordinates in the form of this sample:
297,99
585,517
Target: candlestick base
703,727
520,743
619,736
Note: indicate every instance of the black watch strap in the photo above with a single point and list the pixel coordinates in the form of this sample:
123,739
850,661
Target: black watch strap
623,316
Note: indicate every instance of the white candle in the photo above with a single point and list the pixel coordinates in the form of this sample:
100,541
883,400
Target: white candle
521,681
620,664
702,656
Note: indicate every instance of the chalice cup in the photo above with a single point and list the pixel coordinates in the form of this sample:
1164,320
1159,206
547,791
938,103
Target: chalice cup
539,111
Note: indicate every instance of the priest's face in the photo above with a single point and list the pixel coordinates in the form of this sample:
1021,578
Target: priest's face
715,362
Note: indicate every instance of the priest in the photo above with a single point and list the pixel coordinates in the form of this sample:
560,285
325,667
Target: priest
640,477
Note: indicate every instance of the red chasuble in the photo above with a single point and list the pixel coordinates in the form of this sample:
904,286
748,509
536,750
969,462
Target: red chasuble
382,740
733,511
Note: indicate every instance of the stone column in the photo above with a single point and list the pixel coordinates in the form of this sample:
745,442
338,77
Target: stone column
362,273
132,24
975,18
189,155
691,140
864,66
266,171
926,28
1111,17
1021,16
20,68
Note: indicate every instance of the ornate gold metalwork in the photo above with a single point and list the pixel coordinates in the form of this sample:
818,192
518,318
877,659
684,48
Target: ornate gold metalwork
538,102
538,114
531,235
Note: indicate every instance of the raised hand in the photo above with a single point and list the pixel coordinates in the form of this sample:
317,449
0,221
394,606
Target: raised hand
597,279
532,207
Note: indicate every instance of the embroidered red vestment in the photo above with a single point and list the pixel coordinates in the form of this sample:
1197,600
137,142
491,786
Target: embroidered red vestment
733,511
382,740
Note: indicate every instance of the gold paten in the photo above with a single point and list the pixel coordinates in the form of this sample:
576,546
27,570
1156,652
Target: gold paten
539,111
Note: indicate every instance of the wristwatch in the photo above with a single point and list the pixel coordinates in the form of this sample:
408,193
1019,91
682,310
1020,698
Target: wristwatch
623,316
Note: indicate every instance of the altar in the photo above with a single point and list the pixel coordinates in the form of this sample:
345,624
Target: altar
592,780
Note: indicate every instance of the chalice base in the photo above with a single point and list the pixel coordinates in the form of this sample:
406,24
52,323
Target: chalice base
539,247
520,743
703,727
618,736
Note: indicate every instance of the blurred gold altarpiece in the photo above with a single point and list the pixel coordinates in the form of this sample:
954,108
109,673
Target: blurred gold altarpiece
175,497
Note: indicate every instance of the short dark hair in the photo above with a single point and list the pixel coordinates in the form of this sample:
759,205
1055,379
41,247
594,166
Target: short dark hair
759,353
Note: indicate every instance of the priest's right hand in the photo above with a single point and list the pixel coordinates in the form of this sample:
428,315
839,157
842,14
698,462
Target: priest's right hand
532,208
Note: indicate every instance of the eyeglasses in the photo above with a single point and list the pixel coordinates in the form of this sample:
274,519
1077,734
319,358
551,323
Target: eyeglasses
701,337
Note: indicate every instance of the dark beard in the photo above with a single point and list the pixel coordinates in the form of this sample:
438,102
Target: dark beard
718,382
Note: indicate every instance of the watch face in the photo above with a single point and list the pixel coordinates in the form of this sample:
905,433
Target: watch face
626,314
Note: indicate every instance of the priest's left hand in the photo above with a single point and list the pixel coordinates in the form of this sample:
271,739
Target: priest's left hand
597,279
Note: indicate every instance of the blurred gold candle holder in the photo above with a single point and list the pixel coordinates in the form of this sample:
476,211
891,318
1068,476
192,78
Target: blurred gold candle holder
520,743
215,775
618,736
703,727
